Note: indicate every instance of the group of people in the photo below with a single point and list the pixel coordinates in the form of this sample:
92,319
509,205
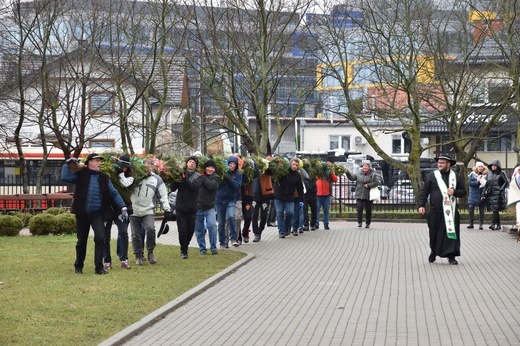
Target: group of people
205,204
225,208
487,190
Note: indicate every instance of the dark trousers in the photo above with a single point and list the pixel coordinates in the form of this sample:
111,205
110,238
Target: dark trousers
83,223
312,203
247,214
261,208
271,217
367,205
186,228
481,210
122,240
496,218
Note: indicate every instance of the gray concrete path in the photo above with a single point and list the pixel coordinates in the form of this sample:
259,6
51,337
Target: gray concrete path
349,286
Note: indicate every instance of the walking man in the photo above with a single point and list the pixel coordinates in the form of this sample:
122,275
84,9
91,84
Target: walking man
94,198
206,214
443,187
144,197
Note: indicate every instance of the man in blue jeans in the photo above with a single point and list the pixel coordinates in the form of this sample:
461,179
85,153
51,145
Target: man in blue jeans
324,193
226,201
284,198
206,209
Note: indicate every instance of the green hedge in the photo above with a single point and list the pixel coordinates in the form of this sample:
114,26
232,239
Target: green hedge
10,226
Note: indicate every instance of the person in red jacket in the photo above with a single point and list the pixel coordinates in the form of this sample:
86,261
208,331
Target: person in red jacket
324,193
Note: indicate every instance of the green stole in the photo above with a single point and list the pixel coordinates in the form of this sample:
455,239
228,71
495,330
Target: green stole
449,203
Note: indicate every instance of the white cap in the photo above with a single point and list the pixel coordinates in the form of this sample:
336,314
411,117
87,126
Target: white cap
479,164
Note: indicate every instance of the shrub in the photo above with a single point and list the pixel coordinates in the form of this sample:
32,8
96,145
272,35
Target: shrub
66,223
55,211
10,225
24,216
42,224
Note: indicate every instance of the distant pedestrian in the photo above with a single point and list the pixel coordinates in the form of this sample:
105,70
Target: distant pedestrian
186,203
125,179
310,203
477,184
299,204
513,196
227,196
365,179
443,187
263,196
94,200
324,194
145,195
495,192
285,190
206,217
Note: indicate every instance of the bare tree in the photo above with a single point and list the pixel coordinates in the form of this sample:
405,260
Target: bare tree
401,66
241,55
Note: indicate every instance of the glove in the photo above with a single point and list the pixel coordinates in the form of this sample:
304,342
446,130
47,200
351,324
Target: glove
124,215
168,215
301,204
72,159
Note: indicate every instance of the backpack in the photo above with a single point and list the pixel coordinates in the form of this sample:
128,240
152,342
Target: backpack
266,186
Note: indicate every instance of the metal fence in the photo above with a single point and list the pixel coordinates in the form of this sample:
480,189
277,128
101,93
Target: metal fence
12,185
397,197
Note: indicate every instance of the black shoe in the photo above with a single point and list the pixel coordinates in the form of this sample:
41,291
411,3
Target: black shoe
184,255
287,233
367,225
317,226
359,225
453,261
431,258
281,236
306,228
481,227
78,271
295,233
313,228
498,227
256,239
327,227
101,272
492,227
470,226
300,230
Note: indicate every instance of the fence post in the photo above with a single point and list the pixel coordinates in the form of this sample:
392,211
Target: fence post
49,186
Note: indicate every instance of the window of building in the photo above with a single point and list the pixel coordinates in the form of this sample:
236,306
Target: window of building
102,103
339,142
101,143
401,145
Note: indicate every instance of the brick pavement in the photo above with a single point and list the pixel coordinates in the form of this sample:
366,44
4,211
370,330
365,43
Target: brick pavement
348,286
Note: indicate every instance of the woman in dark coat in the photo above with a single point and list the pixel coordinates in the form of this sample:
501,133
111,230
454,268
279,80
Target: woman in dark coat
495,192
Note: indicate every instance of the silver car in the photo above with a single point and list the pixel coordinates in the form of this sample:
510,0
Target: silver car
402,192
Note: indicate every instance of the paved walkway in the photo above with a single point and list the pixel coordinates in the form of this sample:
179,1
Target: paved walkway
348,286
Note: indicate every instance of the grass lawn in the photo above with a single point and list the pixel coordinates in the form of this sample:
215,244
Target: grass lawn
44,303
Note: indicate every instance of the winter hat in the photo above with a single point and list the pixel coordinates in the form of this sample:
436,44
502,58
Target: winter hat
480,164
210,163
194,158
124,160
233,158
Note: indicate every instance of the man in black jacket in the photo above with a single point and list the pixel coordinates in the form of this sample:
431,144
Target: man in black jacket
285,190
94,200
187,197
206,215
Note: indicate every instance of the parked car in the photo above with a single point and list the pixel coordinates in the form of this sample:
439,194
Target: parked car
402,192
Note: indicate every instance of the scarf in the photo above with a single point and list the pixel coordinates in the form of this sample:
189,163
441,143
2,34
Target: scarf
449,203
